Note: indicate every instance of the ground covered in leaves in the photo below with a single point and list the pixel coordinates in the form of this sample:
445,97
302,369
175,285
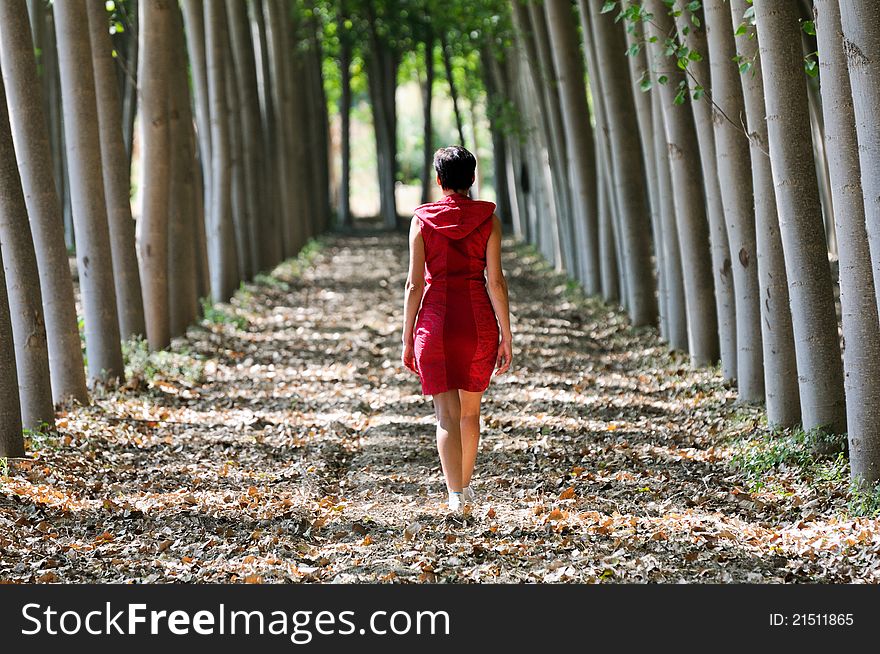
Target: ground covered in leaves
283,441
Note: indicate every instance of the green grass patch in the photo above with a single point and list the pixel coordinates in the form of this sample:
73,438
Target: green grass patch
221,315
815,453
864,499
142,363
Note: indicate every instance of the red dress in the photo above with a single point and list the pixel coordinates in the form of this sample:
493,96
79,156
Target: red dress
456,332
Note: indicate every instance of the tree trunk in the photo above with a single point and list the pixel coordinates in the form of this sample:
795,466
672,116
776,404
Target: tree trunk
23,288
117,181
87,192
129,67
194,23
638,68
722,261
579,134
31,138
500,148
428,131
271,242
820,371
861,37
690,210
453,89
56,125
246,82
155,168
547,84
667,241
183,196
382,78
11,437
780,368
861,328
220,232
628,170
321,119
241,218
345,56
733,166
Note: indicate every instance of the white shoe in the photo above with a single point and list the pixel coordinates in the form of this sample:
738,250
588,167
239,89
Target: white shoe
455,502
468,495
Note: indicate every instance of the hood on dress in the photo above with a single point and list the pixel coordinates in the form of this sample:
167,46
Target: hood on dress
455,216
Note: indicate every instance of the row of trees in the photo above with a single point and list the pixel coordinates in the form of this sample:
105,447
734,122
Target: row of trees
690,189
232,155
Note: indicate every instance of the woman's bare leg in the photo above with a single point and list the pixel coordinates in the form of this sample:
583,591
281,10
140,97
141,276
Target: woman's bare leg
447,409
470,433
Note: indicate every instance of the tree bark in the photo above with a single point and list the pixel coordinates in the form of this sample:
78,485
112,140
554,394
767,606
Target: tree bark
11,437
690,210
23,288
547,84
820,371
155,169
220,233
722,261
184,192
667,241
780,367
87,192
246,81
860,21
580,139
35,167
428,127
453,89
638,68
345,57
117,182
861,328
733,164
628,171
382,78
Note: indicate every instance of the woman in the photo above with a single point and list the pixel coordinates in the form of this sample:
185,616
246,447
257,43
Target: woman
451,331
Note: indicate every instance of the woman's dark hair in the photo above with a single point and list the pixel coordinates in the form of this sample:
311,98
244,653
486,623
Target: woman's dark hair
455,167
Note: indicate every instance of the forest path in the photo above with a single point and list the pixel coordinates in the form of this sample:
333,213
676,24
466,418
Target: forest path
283,441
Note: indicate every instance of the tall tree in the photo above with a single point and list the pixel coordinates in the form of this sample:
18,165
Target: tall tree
23,288
345,60
820,370
427,123
692,35
453,88
860,20
220,234
579,133
117,180
155,182
733,162
35,166
246,83
861,327
87,192
780,367
184,191
383,61
690,210
11,437
628,169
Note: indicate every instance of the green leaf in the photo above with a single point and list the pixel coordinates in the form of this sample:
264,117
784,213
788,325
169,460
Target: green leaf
699,91
811,67
750,13
745,67
662,79
742,29
696,20
696,5
693,55
645,83
609,6
809,27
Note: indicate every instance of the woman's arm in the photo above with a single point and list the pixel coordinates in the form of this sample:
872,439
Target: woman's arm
496,285
415,286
